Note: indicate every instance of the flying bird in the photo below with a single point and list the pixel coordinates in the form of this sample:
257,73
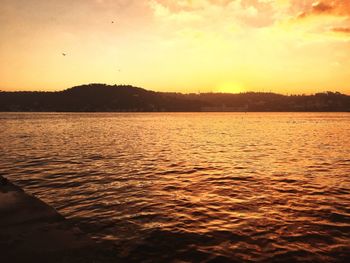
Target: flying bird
64,54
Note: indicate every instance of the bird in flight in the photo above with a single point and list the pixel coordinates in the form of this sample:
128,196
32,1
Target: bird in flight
64,54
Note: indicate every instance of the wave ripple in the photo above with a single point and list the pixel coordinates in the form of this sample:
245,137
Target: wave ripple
192,187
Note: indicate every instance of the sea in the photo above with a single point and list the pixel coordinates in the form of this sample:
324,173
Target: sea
191,187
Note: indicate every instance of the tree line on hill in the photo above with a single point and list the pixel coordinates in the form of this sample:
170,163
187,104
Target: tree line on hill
122,98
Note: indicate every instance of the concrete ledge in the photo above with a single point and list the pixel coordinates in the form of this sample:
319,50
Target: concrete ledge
32,231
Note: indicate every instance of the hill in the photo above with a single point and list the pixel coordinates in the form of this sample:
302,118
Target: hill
105,98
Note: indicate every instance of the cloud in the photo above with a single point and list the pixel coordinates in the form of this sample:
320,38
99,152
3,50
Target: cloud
320,7
172,13
251,13
319,19
326,7
344,30
230,20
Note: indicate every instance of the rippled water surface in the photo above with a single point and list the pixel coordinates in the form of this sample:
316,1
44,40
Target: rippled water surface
192,186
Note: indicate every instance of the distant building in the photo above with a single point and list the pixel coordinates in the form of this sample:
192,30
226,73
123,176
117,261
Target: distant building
224,108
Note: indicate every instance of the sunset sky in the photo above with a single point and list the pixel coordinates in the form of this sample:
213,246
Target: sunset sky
284,46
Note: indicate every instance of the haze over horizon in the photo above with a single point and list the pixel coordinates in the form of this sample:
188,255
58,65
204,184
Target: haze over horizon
117,86
282,46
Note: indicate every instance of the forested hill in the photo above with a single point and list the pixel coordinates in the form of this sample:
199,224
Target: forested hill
105,98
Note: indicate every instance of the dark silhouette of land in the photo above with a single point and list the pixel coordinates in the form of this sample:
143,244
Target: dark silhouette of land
105,98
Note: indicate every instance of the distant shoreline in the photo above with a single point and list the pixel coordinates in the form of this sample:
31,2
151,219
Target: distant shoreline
125,98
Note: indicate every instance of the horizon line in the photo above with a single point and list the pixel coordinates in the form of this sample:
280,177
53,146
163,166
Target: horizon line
184,93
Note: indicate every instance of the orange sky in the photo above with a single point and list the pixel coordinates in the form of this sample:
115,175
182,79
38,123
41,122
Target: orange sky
284,46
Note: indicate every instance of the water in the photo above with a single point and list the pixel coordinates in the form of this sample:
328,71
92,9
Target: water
191,186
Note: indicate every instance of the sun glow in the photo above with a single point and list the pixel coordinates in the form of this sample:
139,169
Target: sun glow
230,87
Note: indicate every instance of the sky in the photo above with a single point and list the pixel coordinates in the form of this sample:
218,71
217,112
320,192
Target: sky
282,46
